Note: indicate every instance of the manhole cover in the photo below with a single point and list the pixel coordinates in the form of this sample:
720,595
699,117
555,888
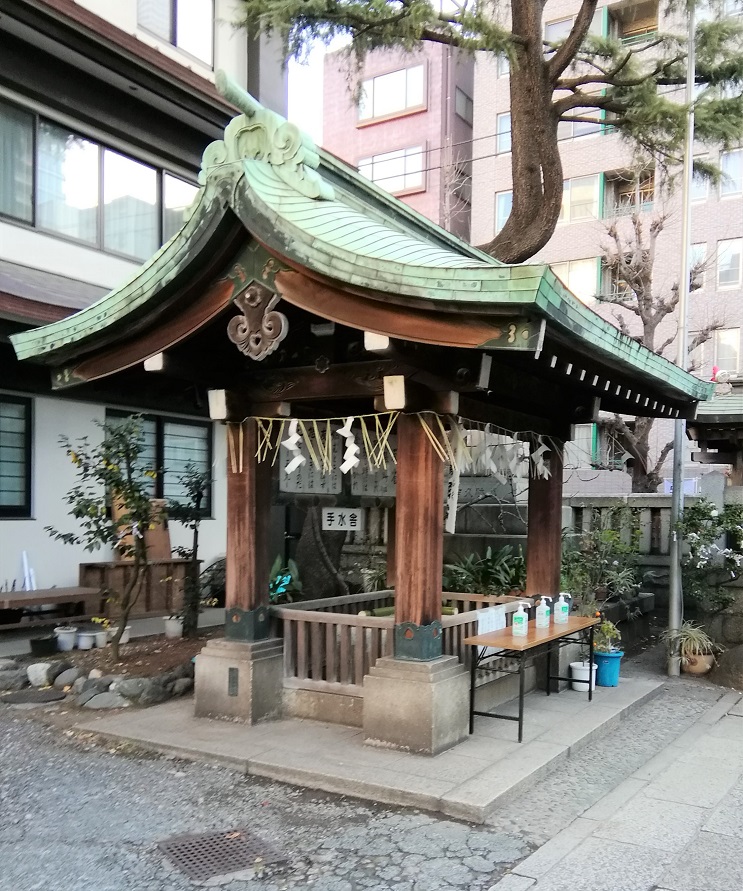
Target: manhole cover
26,696
203,857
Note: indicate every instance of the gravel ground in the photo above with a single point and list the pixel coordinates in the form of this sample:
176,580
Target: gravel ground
77,815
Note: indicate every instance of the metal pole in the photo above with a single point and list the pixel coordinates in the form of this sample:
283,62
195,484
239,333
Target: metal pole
675,598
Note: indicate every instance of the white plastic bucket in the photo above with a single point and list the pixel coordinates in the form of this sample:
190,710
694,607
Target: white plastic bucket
579,675
85,640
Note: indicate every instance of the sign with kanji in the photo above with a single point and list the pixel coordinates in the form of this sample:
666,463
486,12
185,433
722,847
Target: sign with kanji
343,519
307,479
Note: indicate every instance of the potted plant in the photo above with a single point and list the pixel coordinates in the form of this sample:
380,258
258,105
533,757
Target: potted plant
101,632
174,626
86,638
66,636
695,647
606,654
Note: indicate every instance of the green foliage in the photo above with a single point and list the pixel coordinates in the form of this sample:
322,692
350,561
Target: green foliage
603,564
690,640
709,568
606,636
189,513
284,585
112,474
498,572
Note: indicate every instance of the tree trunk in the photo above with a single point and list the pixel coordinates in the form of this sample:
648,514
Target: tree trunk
318,559
535,158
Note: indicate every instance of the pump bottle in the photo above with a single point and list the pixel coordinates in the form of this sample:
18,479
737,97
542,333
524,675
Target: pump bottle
561,611
520,624
543,613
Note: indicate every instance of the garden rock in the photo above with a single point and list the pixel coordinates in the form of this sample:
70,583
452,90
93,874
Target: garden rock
77,687
8,665
56,668
106,700
95,673
130,688
98,685
38,674
729,670
181,686
13,680
153,692
67,678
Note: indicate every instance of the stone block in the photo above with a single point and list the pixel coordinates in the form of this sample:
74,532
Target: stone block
416,706
13,680
241,679
66,678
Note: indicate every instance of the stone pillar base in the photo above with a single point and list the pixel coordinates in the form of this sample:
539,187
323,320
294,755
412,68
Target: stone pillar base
240,679
416,706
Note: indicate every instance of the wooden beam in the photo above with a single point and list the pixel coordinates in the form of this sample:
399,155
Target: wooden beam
419,525
400,394
354,380
544,532
248,509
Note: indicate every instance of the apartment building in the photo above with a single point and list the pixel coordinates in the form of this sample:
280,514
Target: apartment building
105,110
600,188
410,130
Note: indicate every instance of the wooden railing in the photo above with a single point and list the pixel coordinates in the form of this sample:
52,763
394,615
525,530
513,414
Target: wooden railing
329,647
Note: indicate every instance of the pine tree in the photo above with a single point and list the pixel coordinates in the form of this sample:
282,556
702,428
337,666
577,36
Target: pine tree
585,78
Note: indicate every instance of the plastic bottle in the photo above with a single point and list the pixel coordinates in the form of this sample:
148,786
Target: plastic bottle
520,624
543,613
561,611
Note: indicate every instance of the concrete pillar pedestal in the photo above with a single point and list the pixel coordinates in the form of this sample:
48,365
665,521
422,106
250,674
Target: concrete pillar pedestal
240,679
416,706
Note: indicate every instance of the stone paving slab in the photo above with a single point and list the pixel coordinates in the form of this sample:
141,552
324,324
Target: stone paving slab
466,782
711,862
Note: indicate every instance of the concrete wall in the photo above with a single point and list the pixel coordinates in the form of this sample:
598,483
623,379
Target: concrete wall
52,473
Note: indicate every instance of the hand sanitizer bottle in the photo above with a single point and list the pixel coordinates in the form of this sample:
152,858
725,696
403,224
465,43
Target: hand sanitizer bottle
520,621
543,613
561,611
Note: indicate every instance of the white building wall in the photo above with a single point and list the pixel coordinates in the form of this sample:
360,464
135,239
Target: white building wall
52,474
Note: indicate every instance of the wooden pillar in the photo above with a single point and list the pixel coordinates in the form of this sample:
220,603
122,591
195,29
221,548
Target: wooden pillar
248,509
391,544
544,532
419,530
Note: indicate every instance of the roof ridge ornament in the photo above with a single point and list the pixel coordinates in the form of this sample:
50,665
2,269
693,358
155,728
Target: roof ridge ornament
263,135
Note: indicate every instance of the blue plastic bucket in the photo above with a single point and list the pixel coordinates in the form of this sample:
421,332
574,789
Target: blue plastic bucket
607,672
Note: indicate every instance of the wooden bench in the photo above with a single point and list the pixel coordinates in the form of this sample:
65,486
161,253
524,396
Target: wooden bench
23,600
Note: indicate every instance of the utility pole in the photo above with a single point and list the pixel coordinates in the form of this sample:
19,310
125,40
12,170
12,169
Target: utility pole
675,596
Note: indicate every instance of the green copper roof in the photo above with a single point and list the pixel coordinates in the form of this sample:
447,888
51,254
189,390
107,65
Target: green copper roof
318,215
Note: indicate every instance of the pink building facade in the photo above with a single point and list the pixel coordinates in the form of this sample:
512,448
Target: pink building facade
411,130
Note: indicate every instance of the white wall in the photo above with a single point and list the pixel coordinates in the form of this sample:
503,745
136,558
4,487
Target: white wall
52,476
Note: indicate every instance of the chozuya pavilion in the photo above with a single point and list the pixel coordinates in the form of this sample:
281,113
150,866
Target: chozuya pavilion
423,335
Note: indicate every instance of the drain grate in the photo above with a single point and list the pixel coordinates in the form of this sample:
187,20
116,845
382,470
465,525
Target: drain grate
211,854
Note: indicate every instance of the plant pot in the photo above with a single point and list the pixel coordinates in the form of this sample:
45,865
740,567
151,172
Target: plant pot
646,601
85,640
101,638
697,664
173,628
124,637
43,646
579,674
66,638
607,673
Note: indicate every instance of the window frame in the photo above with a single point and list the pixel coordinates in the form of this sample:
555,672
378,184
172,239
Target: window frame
495,209
23,511
596,261
567,219
98,245
173,33
160,421
407,110
737,283
503,134
715,348
739,186
469,105
406,190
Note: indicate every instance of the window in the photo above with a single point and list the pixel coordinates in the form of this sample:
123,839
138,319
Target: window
728,263
503,67
726,349
556,32
17,169
60,181
395,171
580,199
393,93
635,22
15,456
503,205
463,105
170,446
699,183
177,196
731,164
187,24
579,276
697,264
503,133
632,196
